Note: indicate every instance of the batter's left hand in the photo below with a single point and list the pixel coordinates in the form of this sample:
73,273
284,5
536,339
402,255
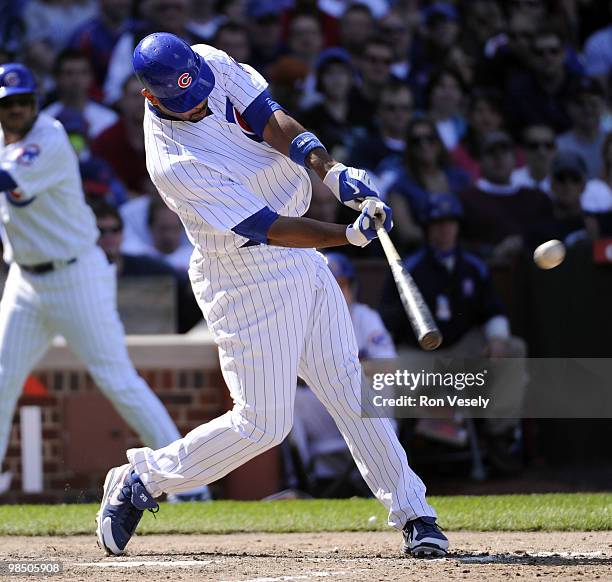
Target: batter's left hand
373,213
350,185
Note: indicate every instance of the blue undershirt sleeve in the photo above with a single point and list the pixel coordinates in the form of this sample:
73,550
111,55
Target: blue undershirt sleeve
6,182
259,111
256,227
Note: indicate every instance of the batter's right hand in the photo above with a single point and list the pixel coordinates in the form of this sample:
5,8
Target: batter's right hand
373,213
351,186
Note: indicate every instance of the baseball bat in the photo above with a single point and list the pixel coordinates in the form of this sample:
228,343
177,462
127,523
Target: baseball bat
420,317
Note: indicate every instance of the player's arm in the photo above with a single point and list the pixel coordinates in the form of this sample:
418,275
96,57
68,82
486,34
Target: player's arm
300,232
350,186
268,120
280,132
267,227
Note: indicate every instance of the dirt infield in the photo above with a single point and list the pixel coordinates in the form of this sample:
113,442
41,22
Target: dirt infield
339,556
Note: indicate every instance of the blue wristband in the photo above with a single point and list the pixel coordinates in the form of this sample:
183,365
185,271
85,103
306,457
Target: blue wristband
302,145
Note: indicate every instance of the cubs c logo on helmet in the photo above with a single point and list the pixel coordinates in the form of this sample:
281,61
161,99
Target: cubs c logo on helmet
184,80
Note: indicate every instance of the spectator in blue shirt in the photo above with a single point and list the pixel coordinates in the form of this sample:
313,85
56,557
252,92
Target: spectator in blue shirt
458,289
425,170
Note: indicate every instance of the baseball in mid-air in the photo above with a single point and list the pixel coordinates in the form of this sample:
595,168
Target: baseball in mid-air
549,254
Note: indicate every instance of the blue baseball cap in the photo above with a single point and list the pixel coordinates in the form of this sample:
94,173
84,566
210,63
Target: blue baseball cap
172,71
340,265
15,79
443,206
569,161
333,54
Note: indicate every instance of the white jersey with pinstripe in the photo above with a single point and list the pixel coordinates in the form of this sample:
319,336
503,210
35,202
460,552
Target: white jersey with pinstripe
46,219
216,173
275,313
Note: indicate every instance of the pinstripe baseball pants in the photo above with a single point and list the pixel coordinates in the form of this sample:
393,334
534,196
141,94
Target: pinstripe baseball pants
77,301
277,313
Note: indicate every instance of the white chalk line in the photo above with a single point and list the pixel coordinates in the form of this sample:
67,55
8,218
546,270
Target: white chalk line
118,564
478,559
146,563
527,555
304,576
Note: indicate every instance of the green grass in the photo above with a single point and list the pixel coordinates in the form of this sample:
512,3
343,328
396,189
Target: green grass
549,512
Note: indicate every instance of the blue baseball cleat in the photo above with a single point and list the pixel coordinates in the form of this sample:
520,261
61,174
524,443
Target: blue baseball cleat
423,539
123,503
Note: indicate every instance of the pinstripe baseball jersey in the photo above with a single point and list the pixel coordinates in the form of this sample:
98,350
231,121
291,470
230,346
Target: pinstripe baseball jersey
218,172
46,218
274,312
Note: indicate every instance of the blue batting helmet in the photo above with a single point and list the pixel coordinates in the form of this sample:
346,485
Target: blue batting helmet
340,265
15,79
169,68
445,205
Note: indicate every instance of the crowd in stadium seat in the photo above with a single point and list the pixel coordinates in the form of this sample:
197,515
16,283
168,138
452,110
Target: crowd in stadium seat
505,105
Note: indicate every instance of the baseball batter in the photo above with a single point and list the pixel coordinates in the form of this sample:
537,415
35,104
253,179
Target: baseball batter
233,165
59,281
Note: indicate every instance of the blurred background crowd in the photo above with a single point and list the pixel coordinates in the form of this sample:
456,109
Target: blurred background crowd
486,124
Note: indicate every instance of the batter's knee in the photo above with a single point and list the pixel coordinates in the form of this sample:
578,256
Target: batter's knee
267,428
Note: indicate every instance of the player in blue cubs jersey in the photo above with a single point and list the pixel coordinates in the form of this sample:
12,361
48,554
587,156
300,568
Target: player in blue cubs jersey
233,165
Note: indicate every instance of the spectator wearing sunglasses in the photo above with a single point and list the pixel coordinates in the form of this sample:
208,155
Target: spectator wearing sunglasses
111,228
425,169
387,141
539,148
375,71
586,136
498,214
110,225
568,223
540,93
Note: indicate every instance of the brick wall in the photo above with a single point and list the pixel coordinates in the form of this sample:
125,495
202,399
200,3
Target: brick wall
191,397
